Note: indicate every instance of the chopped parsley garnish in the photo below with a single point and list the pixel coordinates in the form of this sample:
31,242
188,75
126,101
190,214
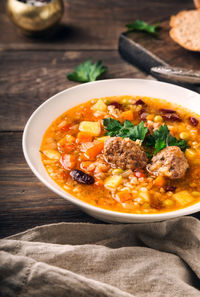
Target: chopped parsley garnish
134,132
160,139
86,71
139,25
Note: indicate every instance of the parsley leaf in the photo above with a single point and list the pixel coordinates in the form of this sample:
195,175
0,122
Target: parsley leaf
162,138
172,141
112,126
87,71
159,140
139,25
115,128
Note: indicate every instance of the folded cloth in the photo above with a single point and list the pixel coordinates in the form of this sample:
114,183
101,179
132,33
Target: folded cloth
89,260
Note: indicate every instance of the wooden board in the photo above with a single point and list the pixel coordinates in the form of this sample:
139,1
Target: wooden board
146,51
87,24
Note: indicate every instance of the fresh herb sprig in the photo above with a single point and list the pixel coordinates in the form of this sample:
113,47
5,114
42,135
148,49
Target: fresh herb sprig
134,132
140,25
86,71
160,139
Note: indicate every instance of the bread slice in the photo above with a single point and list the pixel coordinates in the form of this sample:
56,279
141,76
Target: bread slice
186,29
197,3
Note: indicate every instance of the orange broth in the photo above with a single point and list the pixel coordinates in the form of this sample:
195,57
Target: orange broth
65,148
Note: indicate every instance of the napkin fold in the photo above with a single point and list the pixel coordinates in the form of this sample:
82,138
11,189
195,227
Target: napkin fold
98,260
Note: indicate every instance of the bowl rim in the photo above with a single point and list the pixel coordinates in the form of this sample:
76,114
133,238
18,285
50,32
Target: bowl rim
80,203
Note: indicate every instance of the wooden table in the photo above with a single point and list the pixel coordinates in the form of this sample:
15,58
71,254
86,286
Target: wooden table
32,70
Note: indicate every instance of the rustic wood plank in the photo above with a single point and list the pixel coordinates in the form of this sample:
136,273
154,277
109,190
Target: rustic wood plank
24,201
29,78
90,24
146,51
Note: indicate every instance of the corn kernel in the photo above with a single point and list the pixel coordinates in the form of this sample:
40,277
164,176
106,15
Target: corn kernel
117,171
184,135
158,119
103,138
125,101
146,205
107,101
168,202
195,194
150,117
190,153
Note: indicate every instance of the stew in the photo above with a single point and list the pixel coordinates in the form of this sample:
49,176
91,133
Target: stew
127,154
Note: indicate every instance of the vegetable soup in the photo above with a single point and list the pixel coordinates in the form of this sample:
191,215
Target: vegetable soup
129,154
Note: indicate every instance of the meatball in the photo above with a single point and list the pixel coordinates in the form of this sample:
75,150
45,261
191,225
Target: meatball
169,162
124,153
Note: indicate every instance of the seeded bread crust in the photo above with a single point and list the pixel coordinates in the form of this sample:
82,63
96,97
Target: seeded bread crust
186,29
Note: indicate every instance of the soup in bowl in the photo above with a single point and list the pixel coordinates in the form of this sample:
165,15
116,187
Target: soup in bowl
127,150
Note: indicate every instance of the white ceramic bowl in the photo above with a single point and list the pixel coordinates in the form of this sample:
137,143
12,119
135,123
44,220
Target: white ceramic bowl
55,106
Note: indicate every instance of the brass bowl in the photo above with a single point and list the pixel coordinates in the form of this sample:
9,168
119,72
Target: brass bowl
35,19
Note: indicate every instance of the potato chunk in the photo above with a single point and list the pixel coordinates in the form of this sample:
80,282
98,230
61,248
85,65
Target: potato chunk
183,197
113,181
92,128
52,154
100,106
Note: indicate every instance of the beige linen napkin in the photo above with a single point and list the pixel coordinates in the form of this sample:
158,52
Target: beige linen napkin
141,260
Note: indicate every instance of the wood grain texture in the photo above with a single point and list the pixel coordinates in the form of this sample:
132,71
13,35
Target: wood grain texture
90,24
146,51
29,78
32,70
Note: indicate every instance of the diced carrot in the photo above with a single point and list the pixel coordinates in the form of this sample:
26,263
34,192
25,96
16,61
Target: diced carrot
159,181
139,173
124,196
65,128
68,161
99,183
84,137
94,150
128,115
68,147
67,143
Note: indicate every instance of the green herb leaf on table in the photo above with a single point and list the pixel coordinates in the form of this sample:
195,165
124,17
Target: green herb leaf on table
134,132
139,25
86,71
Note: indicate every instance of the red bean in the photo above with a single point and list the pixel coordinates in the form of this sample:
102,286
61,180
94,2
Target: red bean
116,104
139,102
170,189
82,177
166,110
172,117
193,121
